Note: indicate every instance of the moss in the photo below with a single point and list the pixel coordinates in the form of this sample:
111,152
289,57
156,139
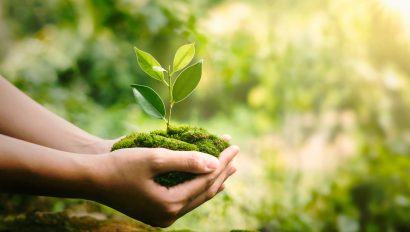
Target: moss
179,138
51,222
153,140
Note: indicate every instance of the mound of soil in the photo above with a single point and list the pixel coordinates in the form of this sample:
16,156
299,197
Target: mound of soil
179,138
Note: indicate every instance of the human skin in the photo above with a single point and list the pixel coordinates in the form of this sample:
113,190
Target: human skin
23,118
45,155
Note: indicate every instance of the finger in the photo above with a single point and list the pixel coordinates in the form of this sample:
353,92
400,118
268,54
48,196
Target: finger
227,156
191,189
165,160
214,189
226,137
222,188
219,183
217,187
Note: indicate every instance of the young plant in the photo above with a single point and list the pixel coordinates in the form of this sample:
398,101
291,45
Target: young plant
180,81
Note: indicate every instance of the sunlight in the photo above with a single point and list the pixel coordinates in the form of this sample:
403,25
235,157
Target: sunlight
227,19
402,7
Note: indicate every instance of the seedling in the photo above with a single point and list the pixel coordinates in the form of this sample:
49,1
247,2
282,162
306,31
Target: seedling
179,80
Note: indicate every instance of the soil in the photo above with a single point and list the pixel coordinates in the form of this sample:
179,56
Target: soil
180,138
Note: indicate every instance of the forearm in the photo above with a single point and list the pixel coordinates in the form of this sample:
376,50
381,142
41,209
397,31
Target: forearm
25,119
32,169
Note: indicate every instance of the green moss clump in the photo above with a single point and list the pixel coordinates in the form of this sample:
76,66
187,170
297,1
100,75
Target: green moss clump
178,138
153,140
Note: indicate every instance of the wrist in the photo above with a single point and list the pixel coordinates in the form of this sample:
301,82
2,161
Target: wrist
94,172
95,146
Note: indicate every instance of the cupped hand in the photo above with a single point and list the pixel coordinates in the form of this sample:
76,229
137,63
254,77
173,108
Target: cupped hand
124,180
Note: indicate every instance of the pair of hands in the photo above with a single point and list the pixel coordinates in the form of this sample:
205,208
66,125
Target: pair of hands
48,155
124,181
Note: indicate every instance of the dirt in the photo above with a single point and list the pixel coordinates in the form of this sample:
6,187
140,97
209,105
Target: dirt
181,138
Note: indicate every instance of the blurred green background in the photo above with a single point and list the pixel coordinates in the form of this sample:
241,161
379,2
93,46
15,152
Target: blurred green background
315,92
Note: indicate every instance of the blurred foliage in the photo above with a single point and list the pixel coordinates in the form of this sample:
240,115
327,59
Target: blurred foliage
315,92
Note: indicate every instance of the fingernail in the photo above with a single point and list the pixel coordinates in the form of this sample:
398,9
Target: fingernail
226,137
235,148
212,163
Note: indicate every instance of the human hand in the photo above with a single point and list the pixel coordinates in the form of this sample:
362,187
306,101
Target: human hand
123,180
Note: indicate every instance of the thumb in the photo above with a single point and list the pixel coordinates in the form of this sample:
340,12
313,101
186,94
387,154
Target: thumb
184,161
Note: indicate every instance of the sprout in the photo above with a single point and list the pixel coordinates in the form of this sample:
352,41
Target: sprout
181,81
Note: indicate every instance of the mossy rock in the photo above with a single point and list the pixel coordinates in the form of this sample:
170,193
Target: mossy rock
62,222
179,138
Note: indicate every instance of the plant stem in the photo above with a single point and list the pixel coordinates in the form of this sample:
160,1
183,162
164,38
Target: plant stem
171,104
169,114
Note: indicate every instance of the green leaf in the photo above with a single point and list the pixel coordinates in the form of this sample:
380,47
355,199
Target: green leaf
158,69
183,56
149,100
149,65
187,81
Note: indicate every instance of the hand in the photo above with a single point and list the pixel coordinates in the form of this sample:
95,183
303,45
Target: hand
124,181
